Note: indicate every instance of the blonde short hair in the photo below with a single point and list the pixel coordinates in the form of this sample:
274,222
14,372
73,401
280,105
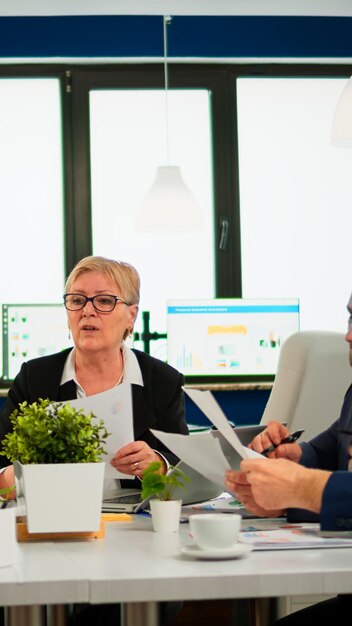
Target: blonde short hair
124,275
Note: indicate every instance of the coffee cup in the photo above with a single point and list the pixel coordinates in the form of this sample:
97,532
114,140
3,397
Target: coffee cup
214,531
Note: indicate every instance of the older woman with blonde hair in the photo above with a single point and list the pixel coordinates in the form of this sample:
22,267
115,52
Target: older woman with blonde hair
101,298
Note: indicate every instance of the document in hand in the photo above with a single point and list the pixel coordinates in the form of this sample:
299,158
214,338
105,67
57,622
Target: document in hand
210,453
114,406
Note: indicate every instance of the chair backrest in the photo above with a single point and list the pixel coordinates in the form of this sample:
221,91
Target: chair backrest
312,378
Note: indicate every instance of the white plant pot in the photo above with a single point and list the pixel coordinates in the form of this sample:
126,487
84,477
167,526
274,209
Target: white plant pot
62,497
165,515
7,536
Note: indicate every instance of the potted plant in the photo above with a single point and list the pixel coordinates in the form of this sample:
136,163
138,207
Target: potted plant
160,489
56,451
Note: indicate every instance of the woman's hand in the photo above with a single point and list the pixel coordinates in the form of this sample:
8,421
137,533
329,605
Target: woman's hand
7,480
134,457
273,434
237,483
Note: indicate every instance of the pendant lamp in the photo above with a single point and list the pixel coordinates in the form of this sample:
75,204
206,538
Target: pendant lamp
341,132
169,205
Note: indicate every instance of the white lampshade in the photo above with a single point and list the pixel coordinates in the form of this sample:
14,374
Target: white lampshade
169,205
341,133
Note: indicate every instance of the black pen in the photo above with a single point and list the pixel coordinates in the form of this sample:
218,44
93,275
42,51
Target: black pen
289,439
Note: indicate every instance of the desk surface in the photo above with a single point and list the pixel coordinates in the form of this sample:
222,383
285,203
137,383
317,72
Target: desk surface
133,564
42,574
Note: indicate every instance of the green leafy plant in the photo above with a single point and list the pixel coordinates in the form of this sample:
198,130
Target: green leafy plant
162,485
46,432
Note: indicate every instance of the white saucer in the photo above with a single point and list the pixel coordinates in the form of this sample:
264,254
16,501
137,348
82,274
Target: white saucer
237,550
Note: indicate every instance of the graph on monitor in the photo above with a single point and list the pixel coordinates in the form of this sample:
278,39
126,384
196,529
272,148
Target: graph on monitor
30,331
223,339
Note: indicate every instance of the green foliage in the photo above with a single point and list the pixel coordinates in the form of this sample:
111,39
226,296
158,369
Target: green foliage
54,434
162,485
5,492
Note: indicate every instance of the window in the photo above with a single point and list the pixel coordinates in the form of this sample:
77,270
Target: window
296,218
253,144
31,191
127,139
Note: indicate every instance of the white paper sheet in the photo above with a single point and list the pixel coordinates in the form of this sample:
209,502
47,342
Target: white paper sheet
201,451
207,403
114,406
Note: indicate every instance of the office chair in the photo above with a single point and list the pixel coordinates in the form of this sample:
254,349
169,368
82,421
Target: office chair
312,378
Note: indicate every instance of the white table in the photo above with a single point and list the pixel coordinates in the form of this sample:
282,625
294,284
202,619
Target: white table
139,568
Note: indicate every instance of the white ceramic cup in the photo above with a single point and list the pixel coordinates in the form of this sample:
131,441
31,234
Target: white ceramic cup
212,531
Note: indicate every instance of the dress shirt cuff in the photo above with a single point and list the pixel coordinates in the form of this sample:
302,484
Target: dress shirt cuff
164,459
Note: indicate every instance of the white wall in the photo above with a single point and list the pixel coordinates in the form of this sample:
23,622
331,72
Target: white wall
176,7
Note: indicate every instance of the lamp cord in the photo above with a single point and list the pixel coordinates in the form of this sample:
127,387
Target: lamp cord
166,22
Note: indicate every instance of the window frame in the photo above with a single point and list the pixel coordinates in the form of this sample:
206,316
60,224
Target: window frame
152,77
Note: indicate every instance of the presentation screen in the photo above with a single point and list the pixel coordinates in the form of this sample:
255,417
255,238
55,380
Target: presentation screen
229,339
30,331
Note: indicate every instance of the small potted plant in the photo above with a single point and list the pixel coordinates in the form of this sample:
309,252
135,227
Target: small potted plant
160,489
57,455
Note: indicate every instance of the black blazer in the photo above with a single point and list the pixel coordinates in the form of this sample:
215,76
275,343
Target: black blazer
159,404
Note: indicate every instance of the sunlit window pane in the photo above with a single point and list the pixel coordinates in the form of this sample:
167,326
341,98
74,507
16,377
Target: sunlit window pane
128,142
31,198
295,197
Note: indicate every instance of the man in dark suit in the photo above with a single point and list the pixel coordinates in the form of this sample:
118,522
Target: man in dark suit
289,480
329,452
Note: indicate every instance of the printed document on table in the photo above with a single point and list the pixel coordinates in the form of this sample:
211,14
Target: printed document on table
291,539
114,406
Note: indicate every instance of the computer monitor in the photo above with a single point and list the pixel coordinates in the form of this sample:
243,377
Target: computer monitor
30,331
227,340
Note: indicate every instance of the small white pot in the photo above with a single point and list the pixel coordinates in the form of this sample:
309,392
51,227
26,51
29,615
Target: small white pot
165,515
61,497
7,536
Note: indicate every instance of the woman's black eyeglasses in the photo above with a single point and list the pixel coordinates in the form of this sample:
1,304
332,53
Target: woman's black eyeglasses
104,303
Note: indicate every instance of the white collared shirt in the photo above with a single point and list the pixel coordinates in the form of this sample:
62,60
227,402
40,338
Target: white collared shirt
132,371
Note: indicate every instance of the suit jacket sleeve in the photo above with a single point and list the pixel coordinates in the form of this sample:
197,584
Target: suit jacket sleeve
336,511
328,450
159,404
321,451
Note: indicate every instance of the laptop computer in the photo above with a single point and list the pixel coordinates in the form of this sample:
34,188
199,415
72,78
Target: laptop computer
198,489
245,435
